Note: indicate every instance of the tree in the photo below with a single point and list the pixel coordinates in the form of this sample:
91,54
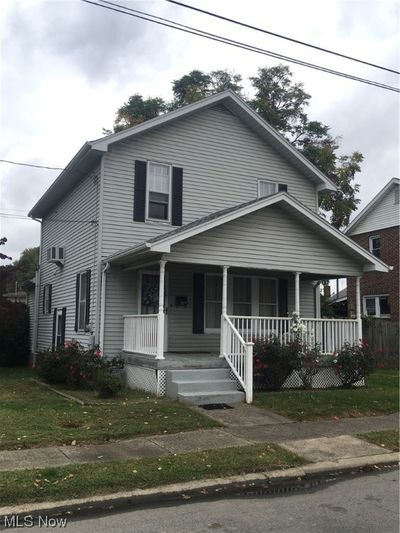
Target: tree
3,241
282,103
197,85
137,110
26,265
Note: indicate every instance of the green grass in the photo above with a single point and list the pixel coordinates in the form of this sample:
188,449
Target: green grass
86,480
386,439
380,396
31,415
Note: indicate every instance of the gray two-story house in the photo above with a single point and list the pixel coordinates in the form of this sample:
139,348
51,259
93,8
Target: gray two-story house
178,241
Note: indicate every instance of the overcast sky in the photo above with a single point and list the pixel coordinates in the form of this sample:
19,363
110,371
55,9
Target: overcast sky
66,66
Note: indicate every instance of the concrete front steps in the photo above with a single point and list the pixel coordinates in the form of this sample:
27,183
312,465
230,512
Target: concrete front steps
200,386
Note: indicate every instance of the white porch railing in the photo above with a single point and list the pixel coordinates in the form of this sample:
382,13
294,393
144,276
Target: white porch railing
141,334
330,334
239,355
259,326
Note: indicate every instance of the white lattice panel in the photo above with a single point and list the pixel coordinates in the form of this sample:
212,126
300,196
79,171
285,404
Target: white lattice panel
141,378
324,379
162,382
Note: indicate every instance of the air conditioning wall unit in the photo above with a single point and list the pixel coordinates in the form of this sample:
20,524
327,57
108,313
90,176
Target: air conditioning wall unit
56,254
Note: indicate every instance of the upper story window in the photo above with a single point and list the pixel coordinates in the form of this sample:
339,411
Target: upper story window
377,306
375,245
158,192
266,188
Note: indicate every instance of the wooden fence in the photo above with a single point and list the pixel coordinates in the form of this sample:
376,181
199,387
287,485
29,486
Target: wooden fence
383,337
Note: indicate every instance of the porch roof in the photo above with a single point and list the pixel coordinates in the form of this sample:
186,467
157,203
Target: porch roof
161,244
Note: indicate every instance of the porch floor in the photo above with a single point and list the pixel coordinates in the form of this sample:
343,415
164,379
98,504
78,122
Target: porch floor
176,360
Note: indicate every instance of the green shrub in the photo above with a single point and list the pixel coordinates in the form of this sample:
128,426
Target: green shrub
353,363
70,364
274,362
107,385
14,333
310,364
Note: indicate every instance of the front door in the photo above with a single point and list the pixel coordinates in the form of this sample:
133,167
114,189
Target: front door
148,298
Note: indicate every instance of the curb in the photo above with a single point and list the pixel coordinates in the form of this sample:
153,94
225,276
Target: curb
265,482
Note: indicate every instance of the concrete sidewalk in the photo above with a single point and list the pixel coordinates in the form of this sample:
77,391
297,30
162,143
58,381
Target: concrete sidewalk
244,425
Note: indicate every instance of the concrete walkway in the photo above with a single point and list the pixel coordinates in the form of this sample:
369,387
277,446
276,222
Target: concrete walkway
244,425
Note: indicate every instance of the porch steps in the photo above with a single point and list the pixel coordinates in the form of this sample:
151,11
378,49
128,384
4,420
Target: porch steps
203,386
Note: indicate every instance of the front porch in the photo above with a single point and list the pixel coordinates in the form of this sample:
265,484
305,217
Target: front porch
146,336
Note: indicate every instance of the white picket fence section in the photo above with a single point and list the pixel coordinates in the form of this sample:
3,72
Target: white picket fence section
141,333
239,355
330,334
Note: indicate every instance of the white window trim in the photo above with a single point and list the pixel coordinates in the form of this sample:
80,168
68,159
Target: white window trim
84,329
370,247
255,304
159,220
377,305
273,182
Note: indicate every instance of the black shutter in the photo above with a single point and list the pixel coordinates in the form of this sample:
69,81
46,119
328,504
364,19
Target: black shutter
77,301
282,187
63,317
198,303
87,296
44,299
283,297
50,289
177,186
53,340
139,200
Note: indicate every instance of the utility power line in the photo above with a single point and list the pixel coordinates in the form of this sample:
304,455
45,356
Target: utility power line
238,44
29,165
280,36
25,217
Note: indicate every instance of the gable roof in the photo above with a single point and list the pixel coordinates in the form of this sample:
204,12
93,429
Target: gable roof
92,151
162,243
374,202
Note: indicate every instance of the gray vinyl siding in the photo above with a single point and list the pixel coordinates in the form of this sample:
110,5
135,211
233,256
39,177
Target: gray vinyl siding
385,214
80,240
121,299
222,161
270,238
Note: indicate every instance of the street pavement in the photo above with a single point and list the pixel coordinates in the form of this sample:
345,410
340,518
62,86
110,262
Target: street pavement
367,503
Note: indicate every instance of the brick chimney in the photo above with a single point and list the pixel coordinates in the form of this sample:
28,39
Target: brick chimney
327,291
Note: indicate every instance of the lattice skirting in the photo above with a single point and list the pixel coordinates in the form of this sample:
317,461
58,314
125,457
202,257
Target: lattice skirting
147,379
324,379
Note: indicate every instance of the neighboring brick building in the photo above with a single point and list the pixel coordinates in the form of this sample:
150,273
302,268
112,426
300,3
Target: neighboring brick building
376,228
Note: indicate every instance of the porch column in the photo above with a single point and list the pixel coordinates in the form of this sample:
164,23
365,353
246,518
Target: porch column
358,307
224,309
160,321
297,293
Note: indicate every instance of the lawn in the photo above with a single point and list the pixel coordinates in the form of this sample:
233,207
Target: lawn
386,439
31,415
379,396
86,480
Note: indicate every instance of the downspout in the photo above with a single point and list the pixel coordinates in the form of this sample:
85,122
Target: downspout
103,304
34,340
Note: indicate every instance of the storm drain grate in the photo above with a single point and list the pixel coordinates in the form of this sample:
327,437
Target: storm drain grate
215,406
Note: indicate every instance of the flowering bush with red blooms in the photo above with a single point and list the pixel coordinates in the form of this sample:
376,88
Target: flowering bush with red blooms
274,362
310,364
70,364
353,363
